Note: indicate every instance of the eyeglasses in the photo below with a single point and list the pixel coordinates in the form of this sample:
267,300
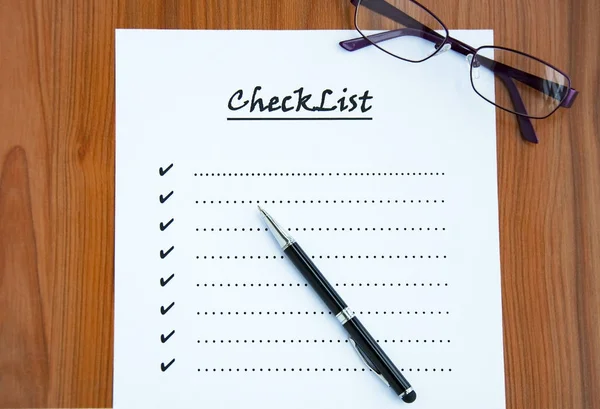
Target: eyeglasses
532,88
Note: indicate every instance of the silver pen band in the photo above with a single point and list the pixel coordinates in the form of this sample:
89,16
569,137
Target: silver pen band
345,315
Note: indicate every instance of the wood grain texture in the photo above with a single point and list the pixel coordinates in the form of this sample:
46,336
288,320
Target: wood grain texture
57,190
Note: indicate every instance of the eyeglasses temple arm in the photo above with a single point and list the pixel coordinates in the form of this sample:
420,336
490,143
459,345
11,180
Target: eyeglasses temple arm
354,44
525,125
570,99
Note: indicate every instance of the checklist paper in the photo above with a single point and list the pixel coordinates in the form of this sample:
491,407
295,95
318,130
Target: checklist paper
383,171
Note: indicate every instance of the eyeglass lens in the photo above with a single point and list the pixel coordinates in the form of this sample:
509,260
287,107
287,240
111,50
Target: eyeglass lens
400,27
540,87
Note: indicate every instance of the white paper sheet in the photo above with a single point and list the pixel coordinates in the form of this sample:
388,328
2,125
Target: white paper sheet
399,211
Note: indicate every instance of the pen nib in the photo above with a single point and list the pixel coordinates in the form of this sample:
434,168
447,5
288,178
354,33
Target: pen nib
283,238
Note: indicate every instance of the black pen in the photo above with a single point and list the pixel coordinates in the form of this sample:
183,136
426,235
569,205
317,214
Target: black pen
366,346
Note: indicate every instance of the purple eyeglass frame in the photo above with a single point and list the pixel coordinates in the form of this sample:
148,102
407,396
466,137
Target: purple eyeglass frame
505,73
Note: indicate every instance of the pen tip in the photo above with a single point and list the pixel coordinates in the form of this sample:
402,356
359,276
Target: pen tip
260,209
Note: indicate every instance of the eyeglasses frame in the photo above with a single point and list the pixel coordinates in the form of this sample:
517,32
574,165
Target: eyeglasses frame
504,72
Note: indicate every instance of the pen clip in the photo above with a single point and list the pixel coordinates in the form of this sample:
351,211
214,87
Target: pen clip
367,361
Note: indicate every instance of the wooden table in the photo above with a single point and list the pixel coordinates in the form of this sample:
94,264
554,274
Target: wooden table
57,152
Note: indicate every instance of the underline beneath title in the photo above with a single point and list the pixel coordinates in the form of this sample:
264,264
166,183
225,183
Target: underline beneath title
355,118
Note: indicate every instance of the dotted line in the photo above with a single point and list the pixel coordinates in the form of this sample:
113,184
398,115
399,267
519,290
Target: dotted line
316,369
314,341
258,229
336,284
257,174
322,201
320,257
320,312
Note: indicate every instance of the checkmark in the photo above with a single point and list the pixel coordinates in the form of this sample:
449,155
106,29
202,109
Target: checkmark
164,254
164,282
164,226
163,172
164,339
164,367
164,310
165,198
